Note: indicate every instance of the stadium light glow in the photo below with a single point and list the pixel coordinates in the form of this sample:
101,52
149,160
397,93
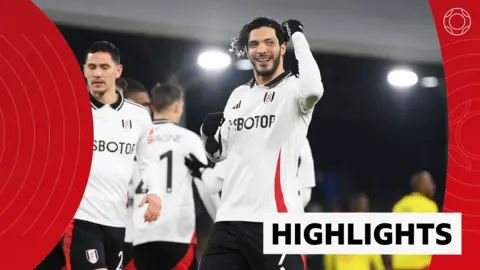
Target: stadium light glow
214,60
402,78
429,82
243,64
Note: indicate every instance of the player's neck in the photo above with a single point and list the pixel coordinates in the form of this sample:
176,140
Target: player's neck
164,116
108,97
262,80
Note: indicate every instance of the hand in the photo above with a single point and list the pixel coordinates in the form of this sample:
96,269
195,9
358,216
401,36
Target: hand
211,122
194,165
154,206
292,26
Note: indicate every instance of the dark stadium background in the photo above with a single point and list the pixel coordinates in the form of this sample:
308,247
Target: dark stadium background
365,136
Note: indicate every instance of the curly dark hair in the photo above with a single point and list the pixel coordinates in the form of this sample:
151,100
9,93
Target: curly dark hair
239,44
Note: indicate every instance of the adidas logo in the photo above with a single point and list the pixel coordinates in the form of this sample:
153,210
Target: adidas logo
237,106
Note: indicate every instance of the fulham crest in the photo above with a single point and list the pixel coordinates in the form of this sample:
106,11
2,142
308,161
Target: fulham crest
268,97
92,256
127,124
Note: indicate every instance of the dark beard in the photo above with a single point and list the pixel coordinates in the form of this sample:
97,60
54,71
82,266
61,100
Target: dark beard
269,72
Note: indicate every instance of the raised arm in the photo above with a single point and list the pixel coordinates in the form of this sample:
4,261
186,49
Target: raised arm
310,87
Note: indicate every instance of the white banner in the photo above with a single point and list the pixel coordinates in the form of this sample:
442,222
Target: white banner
363,233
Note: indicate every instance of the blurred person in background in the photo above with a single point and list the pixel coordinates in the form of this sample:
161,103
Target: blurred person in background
358,204
137,92
314,207
121,85
170,242
419,201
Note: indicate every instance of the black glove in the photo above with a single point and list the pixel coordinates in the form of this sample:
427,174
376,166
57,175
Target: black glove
292,26
211,122
194,165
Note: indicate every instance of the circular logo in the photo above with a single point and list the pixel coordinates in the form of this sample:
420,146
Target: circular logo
457,21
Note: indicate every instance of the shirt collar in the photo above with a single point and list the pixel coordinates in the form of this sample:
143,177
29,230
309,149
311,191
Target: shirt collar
96,104
161,121
273,82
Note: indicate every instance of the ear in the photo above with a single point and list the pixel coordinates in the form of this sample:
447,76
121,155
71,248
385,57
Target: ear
118,71
85,71
283,49
179,106
175,107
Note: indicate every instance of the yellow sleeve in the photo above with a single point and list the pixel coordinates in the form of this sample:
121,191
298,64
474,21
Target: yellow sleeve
328,262
403,206
397,207
377,262
429,206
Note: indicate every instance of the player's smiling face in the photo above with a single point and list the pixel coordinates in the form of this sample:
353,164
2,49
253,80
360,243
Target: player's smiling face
101,72
265,51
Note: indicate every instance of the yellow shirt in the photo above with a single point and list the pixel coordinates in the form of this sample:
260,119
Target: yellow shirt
413,203
353,262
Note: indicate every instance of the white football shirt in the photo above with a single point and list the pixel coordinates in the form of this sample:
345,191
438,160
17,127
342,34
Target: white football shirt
177,220
265,127
213,177
122,130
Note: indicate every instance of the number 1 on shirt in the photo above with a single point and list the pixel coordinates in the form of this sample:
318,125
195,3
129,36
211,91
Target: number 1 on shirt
168,155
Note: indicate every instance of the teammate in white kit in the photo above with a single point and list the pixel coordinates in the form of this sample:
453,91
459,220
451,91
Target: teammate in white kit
169,243
262,130
122,130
